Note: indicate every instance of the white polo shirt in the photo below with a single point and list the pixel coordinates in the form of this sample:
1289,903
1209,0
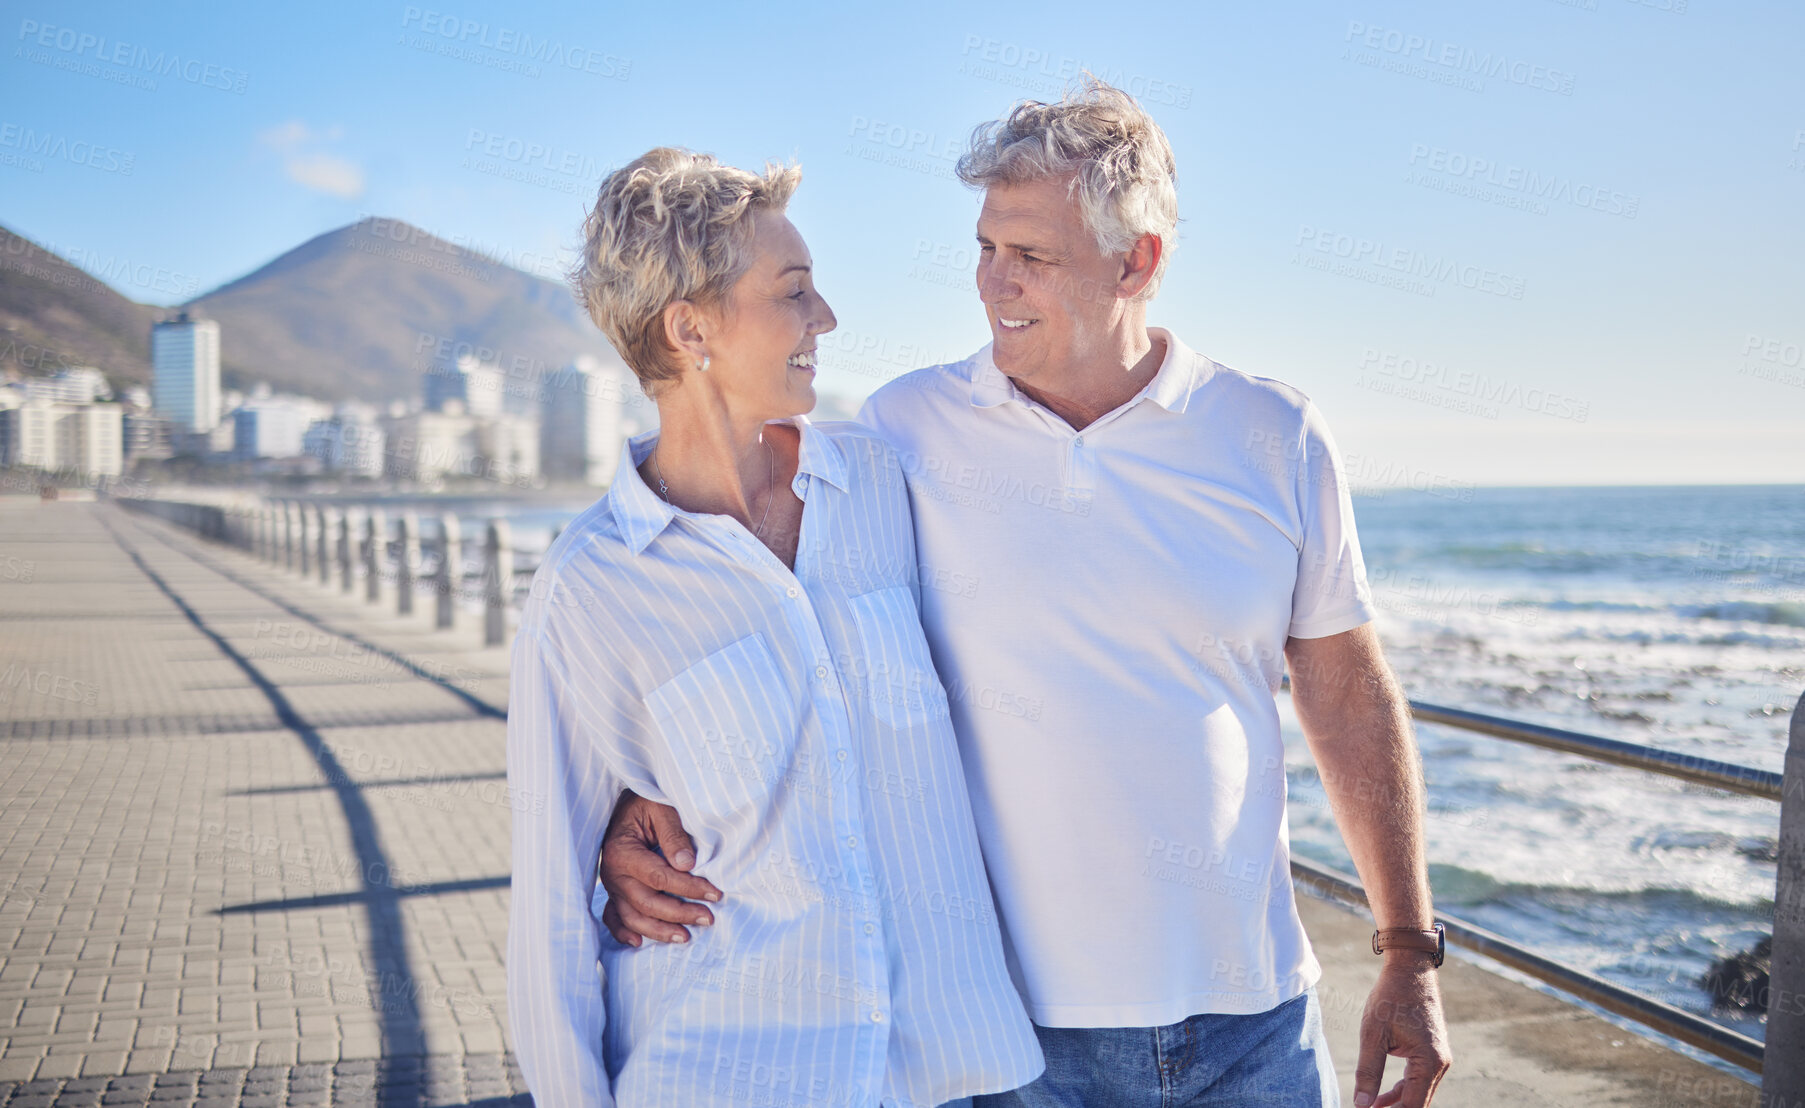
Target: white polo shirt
1108,610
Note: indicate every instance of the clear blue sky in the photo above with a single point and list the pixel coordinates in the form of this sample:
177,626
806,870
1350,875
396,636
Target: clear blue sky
1593,208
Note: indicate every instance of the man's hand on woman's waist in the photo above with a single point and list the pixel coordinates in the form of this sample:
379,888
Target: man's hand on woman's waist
645,858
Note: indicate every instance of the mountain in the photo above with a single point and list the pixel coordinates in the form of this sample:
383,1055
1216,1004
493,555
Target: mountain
362,312
357,313
53,315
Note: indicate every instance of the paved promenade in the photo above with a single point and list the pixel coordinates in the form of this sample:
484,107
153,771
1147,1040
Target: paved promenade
254,850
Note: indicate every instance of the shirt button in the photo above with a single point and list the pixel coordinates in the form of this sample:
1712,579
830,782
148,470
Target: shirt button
852,842
793,591
877,1016
821,672
1079,441
871,929
840,755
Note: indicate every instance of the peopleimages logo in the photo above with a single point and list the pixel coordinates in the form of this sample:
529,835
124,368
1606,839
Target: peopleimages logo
1490,392
1036,68
30,145
1515,181
80,51
455,37
1449,62
1407,262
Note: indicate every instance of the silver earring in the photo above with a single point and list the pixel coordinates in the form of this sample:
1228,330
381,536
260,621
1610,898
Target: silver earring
704,366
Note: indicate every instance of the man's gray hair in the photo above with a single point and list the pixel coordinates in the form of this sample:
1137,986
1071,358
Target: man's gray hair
1123,175
670,225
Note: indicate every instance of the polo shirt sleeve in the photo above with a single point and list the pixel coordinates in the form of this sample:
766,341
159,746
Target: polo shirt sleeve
1331,594
873,416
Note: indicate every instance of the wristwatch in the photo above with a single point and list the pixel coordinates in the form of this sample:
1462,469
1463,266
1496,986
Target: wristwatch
1409,938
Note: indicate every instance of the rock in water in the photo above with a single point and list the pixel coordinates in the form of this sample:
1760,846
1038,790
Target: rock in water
1740,981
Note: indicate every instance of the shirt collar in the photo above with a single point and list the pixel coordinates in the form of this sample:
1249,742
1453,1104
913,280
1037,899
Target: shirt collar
1179,373
821,455
642,514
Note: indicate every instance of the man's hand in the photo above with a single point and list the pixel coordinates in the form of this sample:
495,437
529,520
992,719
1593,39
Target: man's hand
645,858
1403,1017
1358,725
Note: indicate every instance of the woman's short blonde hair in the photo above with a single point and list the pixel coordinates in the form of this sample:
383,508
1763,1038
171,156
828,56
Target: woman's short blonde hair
1121,165
670,225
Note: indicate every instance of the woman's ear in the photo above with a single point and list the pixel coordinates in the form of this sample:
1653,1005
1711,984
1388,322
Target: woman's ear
686,329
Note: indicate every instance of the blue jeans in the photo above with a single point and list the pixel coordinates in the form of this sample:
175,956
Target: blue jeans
1275,1059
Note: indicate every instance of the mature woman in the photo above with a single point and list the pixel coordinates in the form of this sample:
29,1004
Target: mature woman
732,630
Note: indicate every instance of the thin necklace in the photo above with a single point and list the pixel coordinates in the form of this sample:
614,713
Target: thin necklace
770,482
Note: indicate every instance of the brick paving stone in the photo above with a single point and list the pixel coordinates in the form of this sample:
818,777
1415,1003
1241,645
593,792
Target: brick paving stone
179,778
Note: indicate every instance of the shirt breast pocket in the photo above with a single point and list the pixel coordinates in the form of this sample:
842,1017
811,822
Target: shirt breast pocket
896,672
729,726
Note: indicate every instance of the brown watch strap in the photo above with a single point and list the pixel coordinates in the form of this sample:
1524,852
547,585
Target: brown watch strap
1409,938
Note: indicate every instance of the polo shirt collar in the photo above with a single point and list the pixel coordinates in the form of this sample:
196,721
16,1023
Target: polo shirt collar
642,515
1179,373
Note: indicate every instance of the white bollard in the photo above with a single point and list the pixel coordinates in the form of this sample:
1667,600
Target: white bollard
498,582
451,570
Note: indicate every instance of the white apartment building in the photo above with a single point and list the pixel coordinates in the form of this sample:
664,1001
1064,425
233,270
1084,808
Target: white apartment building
583,421
428,446
184,356
350,442
273,426
86,439
75,385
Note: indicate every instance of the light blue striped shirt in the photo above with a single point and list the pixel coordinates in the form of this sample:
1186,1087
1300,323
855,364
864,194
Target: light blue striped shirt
796,723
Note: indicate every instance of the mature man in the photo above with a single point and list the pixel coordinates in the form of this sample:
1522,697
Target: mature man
1122,543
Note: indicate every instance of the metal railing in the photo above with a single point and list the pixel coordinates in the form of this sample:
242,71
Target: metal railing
311,538
393,558
1785,1044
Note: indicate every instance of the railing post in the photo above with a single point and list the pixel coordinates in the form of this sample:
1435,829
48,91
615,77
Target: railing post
327,517
1783,1062
498,582
451,572
347,565
376,548
290,522
407,565
307,523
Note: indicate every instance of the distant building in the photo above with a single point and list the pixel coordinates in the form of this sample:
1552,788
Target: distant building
86,439
425,446
184,356
147,435
582,422
272,426
429,446
75,385
508,448
480,386
207,446
350,442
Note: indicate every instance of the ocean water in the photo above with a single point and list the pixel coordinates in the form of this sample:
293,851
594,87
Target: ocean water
1672,617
